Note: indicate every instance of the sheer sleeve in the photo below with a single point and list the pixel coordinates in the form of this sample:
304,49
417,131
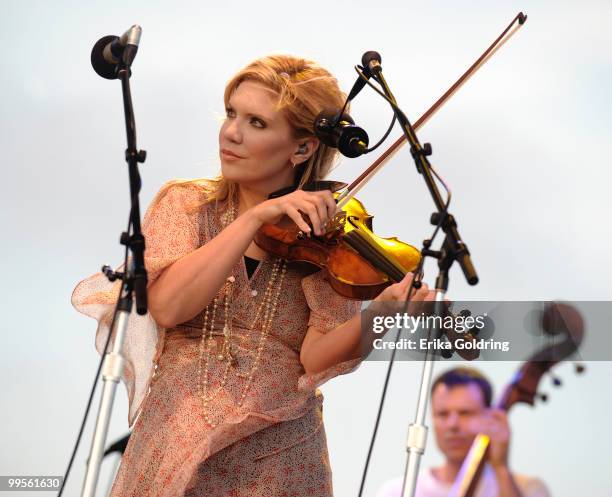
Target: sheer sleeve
171,227
328,310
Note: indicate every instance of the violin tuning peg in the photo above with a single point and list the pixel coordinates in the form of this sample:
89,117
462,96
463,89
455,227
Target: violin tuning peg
542,396
579,368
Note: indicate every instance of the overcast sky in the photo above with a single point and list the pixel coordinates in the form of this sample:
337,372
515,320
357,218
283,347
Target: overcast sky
524,147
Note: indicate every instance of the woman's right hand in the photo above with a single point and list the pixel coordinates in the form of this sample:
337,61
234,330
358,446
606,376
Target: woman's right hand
319,206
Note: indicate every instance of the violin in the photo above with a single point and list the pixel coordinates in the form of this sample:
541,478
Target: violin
358,263
566,325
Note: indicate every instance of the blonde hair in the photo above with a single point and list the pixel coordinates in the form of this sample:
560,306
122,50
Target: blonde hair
304,89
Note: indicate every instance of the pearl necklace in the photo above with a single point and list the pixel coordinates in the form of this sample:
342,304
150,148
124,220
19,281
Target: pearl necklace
267,311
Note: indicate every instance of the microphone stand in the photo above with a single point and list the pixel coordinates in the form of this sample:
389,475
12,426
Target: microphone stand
134,281
453,249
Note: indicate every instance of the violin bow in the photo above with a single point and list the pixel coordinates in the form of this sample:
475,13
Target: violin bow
369,173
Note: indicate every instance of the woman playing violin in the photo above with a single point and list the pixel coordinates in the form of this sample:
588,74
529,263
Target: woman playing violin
222,374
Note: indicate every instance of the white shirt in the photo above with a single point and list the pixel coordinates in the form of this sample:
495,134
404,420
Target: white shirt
428,486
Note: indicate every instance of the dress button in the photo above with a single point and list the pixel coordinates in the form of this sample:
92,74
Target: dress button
254,293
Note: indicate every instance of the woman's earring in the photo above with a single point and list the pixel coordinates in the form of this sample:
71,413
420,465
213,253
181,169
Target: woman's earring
302,149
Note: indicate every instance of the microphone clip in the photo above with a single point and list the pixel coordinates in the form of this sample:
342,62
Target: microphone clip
424,151
338,130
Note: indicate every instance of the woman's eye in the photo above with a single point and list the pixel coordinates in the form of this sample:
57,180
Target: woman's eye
258,123
230,113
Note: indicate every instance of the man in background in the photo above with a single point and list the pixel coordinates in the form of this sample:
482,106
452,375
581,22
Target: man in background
461,408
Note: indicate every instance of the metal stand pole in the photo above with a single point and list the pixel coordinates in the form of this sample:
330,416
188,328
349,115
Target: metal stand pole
111,374
417,431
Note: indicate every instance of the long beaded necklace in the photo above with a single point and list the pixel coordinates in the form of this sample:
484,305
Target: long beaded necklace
267,311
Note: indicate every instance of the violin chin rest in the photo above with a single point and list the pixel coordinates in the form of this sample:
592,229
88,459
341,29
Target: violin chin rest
332,186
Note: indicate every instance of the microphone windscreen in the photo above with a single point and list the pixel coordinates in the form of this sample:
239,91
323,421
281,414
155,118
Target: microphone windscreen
99,63
369,57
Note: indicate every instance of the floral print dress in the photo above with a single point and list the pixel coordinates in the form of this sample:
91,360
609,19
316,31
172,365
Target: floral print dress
261,431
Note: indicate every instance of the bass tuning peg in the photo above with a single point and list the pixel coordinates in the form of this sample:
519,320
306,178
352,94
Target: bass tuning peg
556,380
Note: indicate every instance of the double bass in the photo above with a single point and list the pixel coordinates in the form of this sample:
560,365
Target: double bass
565,325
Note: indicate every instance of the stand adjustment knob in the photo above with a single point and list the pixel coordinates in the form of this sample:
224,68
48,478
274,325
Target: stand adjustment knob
140,155
425,151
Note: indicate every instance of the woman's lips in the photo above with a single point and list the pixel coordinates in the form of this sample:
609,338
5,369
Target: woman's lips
228,154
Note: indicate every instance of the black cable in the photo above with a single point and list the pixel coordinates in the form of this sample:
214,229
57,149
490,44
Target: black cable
384,137
431,168
371,149
393,119
391,102
382,402
448,200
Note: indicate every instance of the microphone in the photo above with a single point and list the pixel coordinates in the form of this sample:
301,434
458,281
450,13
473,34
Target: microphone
371,61
366,66
339,131
110,51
